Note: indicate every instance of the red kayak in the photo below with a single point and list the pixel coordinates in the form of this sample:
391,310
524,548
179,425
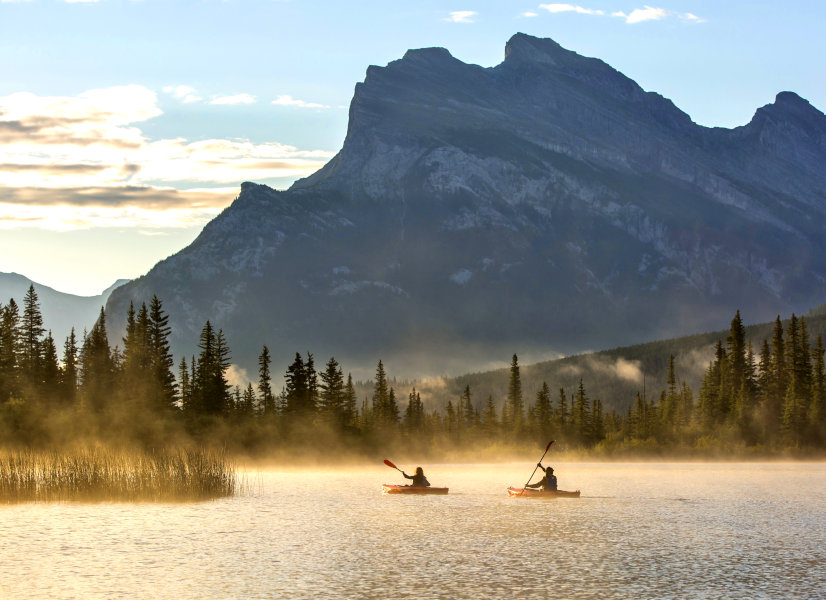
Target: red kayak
531,493
389,488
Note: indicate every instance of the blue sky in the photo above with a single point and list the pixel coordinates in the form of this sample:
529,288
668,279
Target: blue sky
125,125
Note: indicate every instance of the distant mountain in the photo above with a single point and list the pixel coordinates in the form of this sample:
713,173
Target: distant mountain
614,376
547,204
60,311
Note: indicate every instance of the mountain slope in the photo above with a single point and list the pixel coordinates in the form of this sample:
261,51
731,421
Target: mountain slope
545,204
61,311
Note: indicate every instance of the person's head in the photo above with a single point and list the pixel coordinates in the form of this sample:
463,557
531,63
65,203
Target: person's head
419,471
549,471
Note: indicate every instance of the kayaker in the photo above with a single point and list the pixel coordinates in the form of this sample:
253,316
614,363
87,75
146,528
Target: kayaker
419,480
546,483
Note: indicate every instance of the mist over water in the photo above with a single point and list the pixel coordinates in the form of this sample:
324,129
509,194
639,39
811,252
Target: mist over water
640,530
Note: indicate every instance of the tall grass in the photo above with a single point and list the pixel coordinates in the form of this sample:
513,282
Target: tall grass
100,475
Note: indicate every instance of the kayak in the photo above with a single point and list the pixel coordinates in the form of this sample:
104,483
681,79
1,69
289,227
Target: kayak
389,488
531,493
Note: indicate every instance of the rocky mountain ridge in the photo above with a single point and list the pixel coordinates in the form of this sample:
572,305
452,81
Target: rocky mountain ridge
547,204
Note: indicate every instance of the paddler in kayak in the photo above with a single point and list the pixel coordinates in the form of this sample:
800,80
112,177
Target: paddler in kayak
419,480
546,483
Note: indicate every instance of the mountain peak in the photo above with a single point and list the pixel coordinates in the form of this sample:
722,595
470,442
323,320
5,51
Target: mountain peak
435,54
526,48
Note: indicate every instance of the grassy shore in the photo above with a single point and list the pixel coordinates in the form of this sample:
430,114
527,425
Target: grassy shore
101,475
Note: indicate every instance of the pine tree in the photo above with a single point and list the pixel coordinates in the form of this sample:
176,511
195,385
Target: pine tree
161,360
817,407
210,388
489,421
9,350
97,367
381,396
296,391
543,411
467,408
184,386
264,382
350,414
580,414
31,330
515,403
49,383
69,378
331,394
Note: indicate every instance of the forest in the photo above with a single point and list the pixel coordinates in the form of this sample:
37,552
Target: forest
750,403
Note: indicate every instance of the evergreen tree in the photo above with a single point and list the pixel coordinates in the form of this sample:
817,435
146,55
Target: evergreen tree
31,330
49,384
489,421
296,391
69,378
350,413
184,386
543,411
97,367
580,415
331,395
264,382
515,403
817,407
9,350
467,408
210,388
381,396
161,360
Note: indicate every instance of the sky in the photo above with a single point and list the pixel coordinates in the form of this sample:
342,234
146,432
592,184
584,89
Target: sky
126,125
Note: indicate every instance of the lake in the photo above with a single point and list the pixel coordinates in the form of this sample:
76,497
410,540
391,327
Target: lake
640,530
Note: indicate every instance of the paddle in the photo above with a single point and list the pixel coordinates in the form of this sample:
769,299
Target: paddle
534,469
392,466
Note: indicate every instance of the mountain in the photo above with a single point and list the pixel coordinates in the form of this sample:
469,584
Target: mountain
614,376
60,311
545,205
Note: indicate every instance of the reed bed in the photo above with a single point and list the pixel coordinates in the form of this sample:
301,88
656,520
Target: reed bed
108,476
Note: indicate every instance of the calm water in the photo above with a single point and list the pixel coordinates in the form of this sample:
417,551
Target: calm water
639,531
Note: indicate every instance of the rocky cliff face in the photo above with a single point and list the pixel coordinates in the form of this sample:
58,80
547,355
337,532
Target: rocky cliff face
545,204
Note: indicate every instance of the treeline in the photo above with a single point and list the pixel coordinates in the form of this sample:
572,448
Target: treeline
131,391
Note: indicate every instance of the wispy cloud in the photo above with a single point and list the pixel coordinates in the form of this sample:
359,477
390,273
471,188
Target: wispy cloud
89,151
184,93
462,16
638,15
286,100
559,8
529,14
236,99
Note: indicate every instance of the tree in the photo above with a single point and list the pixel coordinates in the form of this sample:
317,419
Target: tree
543,411
296,394
69,379
31,330
9,350
350,411
331,391
515,403
97,367
264,382
184,385
210,388
161,360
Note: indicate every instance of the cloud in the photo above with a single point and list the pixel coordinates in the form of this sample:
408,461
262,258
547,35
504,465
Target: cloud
692,18
236,99
640,15
184,93
88,151
627,370
286,100
462,16
559,8
529,14
147,208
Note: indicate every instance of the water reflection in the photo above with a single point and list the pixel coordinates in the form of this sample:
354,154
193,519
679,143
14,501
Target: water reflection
642,531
